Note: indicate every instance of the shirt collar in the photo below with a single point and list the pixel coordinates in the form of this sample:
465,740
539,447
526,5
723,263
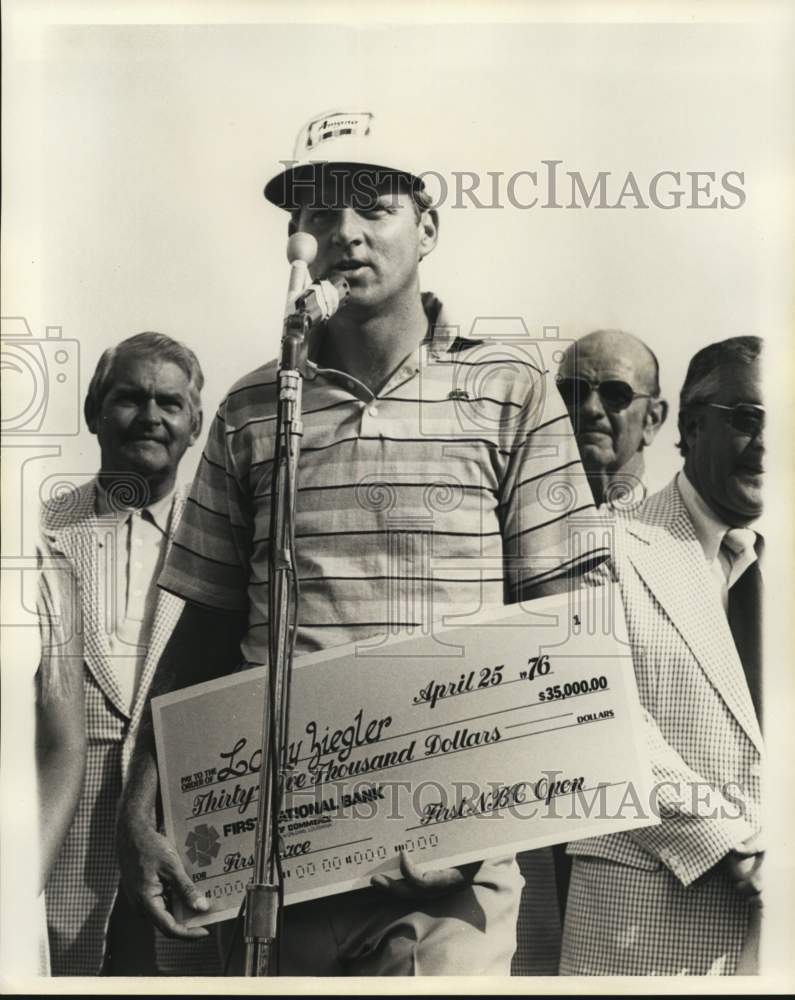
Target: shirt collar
159,509
709,528
441,338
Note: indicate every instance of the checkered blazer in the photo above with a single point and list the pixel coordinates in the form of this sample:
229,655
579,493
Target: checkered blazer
647,901
71,525
82,887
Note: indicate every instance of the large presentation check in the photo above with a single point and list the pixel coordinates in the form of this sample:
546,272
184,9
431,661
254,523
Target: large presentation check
499,734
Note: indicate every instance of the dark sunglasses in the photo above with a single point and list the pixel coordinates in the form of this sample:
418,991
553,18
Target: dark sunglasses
614,394
746,418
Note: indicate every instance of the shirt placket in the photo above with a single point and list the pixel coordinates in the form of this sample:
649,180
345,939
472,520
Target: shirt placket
121,558
370,422
136,592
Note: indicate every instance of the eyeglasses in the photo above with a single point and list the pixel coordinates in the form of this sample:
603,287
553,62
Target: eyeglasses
746,418
614,394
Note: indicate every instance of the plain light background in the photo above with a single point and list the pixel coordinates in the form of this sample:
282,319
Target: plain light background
135,156
138,203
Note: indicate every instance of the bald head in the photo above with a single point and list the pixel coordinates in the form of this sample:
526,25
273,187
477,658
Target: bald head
611,437
615,345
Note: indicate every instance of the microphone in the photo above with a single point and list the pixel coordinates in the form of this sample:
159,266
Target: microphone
307,304
301,252
322,299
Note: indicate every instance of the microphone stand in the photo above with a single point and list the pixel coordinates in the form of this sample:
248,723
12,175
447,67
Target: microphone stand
265,892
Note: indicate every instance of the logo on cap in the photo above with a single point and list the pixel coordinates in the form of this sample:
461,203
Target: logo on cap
335,126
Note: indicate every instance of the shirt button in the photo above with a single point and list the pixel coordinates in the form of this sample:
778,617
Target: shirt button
138,565
137,593
139,542
373,410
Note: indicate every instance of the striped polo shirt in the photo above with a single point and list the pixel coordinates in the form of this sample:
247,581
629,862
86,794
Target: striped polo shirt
438,497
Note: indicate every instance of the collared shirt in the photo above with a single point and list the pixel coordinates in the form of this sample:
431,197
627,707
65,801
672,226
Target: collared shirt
710,531
434,498
140,547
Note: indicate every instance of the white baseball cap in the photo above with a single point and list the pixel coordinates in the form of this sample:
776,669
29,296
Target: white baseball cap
351,138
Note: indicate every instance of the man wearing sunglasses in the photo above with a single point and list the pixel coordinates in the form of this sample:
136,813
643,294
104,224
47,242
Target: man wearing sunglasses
683,896
609,381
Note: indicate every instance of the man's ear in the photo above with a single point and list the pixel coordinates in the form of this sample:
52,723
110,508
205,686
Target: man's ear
429,231
196,429
90,414
655,418
688,425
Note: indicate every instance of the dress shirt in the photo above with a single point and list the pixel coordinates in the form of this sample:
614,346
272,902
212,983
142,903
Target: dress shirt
140,548
711,532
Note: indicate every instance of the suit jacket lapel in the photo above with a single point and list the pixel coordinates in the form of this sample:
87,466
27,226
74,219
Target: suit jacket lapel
92,558
167,612
671,562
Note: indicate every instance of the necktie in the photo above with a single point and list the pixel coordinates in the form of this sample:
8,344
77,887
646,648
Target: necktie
745,609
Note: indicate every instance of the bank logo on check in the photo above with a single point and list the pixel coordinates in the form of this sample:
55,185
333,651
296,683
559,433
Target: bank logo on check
203,845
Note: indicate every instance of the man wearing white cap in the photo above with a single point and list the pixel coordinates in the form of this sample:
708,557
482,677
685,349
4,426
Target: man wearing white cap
386,455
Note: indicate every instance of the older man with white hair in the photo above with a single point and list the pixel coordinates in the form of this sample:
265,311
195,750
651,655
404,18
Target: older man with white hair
144,406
